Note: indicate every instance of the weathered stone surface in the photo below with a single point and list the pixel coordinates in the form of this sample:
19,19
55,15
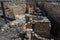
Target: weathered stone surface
16,7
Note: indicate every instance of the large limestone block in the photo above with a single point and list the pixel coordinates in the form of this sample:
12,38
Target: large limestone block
17,10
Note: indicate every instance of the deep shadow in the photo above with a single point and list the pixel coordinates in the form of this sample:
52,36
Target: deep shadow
55,25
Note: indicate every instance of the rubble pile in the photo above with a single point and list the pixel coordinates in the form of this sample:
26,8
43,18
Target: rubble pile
14,28
40,25
26,25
